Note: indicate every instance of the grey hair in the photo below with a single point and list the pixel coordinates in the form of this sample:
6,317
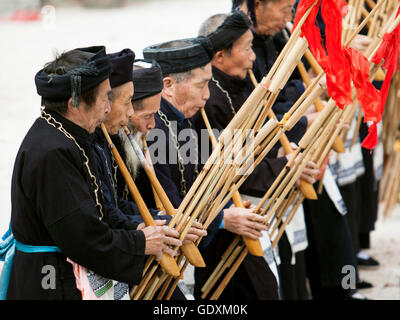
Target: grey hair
212,23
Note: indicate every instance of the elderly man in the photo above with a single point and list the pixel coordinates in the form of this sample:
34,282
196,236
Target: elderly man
187,71
324,270
231,39
57,207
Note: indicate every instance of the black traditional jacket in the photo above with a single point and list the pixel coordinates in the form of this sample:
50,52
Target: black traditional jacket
53,204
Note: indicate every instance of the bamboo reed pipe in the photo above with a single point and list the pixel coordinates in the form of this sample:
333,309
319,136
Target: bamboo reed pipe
287,221
254,246
338,145
229,276
189,249
167,262
306,188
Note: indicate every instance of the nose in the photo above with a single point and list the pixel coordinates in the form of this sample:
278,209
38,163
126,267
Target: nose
130,113
107,108
206,93
151,125
252,56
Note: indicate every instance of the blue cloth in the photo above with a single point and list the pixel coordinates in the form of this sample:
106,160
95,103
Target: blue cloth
7,252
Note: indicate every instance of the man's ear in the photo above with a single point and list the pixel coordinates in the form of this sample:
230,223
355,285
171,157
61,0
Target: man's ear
219,57
169,86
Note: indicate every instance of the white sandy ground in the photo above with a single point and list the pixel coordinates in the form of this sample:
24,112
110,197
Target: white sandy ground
25,47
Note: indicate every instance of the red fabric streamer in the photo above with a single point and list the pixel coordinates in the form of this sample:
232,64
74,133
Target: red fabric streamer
338,75
389,52
337,78
367,95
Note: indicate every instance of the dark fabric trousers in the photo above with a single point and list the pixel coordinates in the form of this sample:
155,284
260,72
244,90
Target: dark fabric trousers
252,281
330,247
292,277
351,194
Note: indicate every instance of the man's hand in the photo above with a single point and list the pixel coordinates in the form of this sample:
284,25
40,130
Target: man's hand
195,232
361,43
159,238
310,171
244,222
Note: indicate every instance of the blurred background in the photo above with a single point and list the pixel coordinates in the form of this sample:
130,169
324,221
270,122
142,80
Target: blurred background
31,31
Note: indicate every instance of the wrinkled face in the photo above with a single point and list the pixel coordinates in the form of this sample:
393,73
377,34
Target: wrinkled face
96,114
240,59
121,109
272,16
190,95
143,119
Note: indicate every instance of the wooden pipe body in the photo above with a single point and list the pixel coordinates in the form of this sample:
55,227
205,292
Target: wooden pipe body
254,246
191,252
306,188
167,262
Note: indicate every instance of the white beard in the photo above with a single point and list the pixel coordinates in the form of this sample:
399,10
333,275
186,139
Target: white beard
131,160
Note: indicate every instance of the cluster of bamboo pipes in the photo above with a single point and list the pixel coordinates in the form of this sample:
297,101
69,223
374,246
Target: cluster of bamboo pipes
389,186
283,198
228,166
230,163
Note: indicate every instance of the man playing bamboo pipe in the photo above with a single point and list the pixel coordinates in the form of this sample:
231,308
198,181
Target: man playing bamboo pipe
57,208
231,38
120,213
269,18
187,70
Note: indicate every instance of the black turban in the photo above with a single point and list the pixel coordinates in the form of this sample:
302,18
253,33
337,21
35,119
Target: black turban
233,27
148,81
196,52
77,81
122,67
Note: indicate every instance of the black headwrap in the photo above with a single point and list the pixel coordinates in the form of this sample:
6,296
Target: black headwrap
252,13
77,81
148,81
122,67
187,57
233,27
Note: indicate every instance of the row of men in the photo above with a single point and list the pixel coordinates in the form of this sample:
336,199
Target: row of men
68,200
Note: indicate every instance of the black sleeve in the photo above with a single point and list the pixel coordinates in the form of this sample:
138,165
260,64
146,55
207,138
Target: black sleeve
263,176
69,213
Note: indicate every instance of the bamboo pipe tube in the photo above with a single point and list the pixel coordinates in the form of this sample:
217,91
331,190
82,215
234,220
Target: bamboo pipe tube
283,73
189,249
224,258
146,153
280,212
287,221
292,176
254,246
167,262
370,3
338,145
168,281
245,171
174,285
260,91
242,172
270,124
306,188
226,265
145,269
143,284
229,276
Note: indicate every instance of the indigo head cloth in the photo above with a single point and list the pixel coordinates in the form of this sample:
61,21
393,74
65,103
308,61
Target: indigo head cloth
122,67
233,27
73,82
180,55
148,79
